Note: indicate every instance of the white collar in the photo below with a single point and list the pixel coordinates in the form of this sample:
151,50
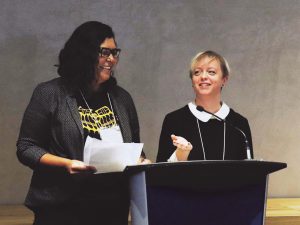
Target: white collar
204,117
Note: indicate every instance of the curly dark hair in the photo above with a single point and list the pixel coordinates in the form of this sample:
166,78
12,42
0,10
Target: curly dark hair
79,57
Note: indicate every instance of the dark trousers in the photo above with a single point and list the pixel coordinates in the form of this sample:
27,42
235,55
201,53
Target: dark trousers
102,199
111,214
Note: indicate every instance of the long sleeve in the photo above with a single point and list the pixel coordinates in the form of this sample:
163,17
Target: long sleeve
35,129
166,147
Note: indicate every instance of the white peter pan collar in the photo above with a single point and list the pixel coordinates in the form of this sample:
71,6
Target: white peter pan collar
204,117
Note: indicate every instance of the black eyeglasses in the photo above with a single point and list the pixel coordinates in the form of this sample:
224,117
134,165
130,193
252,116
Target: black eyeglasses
106,52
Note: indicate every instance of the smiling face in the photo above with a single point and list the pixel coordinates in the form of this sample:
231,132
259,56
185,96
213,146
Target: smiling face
207,77
106,64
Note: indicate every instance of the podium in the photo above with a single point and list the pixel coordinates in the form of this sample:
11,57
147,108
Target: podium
230,192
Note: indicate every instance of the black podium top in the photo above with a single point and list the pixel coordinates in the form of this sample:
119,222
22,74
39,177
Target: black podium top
206,173
212,166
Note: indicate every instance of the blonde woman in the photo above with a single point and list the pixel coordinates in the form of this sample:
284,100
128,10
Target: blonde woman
190,134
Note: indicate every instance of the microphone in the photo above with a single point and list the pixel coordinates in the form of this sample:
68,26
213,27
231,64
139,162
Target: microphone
201,109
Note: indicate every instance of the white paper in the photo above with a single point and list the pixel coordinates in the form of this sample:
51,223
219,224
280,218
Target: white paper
111,157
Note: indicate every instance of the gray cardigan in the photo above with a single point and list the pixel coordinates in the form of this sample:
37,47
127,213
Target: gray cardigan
51,124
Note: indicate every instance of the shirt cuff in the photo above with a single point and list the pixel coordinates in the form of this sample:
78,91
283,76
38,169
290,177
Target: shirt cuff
173,157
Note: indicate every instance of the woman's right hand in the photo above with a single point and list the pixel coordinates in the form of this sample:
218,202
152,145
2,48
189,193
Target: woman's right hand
181,143
183,147
76,166
71,165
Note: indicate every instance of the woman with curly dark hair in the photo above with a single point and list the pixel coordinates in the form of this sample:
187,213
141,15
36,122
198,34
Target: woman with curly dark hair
85,101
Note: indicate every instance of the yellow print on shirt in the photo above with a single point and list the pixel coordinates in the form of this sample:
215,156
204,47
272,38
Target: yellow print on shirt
98,119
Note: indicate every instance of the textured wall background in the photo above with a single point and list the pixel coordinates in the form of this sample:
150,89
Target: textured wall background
260,39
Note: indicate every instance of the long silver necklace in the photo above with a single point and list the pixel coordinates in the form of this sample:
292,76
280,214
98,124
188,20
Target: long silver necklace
224,142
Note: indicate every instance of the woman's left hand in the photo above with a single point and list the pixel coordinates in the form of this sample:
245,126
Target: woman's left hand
183,147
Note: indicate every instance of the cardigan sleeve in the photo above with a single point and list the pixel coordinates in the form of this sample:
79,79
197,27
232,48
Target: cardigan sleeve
166,147
35,128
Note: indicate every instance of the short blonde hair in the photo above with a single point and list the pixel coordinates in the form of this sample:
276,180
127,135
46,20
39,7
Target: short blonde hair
211,54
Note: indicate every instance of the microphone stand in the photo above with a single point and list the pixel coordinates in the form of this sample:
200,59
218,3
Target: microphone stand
248,151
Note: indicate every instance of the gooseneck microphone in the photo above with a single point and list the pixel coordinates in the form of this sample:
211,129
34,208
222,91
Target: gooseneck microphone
201,109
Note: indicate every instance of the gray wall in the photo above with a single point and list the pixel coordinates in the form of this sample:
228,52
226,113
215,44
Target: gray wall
260,39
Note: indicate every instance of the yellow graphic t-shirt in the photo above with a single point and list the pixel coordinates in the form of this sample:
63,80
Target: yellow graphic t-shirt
93,121
97,116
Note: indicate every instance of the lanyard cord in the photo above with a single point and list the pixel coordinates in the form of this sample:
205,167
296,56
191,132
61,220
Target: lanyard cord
224,140
112,109
85,100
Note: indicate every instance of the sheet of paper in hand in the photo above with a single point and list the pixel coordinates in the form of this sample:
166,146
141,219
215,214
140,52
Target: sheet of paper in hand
110,157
